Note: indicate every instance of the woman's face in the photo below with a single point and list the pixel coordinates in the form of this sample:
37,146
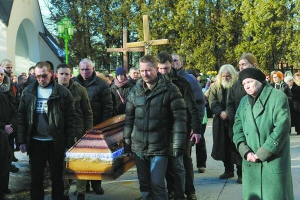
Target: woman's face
276,78
251,86
121,78
243,64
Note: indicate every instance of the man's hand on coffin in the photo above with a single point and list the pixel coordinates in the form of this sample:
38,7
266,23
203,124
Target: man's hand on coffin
23,148
178,152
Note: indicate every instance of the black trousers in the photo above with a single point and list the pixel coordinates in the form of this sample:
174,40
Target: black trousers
4,181
201,153
40,153
189,171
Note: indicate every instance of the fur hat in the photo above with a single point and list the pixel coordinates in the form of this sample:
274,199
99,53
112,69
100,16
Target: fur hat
120,71
254,73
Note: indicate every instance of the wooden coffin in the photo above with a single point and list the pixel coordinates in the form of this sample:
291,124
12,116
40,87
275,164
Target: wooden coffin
98,155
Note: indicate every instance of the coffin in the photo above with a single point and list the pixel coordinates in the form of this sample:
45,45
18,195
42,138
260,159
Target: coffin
98,155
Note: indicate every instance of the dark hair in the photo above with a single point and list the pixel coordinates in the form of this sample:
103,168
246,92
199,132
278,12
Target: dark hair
30,68
191,71
163,57
63,65
42,64
20,77
51,65
149,59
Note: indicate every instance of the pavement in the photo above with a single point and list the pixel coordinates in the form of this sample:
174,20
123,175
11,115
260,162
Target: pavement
126,187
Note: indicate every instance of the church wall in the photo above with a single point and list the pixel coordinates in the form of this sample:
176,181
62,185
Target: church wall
3,43
47,54
25,24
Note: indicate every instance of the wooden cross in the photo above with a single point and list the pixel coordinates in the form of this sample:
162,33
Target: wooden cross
147,43
125,50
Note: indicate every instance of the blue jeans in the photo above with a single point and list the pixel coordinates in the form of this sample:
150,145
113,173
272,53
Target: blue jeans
151,173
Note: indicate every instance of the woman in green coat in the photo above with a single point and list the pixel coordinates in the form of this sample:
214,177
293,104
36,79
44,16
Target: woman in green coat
261,135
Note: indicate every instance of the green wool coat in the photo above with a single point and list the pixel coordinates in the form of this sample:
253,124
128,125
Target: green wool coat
264,129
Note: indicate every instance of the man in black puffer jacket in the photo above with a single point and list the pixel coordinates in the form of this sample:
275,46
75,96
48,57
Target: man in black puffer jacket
155,127
100,98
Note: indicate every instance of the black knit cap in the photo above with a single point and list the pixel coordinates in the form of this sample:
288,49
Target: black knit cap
254,73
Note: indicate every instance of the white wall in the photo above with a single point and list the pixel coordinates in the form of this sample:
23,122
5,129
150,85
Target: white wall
20,41
3,43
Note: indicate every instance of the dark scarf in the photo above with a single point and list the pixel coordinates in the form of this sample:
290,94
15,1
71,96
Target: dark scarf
121,84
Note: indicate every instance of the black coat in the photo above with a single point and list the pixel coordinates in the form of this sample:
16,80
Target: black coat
8,109
99,94
60,116
5,153
155,119
188,96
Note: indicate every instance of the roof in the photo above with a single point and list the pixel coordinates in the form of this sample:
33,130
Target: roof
52,43
5,10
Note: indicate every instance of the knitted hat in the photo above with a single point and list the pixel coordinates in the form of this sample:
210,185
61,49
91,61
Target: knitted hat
252,73
120,71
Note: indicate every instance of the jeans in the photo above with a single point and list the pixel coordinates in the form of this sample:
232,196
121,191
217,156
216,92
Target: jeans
151,173
41,152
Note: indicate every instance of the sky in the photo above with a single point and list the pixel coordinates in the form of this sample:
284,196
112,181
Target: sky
45,14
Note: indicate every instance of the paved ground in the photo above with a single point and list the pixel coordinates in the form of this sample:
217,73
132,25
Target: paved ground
208,186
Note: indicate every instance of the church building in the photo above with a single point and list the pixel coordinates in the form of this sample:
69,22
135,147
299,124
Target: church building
23,37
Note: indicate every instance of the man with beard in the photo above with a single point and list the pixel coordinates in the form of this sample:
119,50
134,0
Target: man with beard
217,101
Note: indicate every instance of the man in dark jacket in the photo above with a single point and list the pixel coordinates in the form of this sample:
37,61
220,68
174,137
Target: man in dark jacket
155,124
46,129
134,75
165,62
200,100
8,124
100,97
7,65
235,94
83,117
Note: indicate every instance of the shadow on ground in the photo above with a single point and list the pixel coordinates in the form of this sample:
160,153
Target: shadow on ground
19,182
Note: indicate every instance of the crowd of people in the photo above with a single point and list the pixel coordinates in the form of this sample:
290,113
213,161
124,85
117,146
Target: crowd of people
44,112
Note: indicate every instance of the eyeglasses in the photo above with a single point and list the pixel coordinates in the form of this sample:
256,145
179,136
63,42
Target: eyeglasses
175,60
41,76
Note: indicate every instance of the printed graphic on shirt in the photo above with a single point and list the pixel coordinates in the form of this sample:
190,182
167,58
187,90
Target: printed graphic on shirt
41,106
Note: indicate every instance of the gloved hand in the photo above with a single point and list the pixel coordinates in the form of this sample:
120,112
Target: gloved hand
178,152
23,148
127,146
